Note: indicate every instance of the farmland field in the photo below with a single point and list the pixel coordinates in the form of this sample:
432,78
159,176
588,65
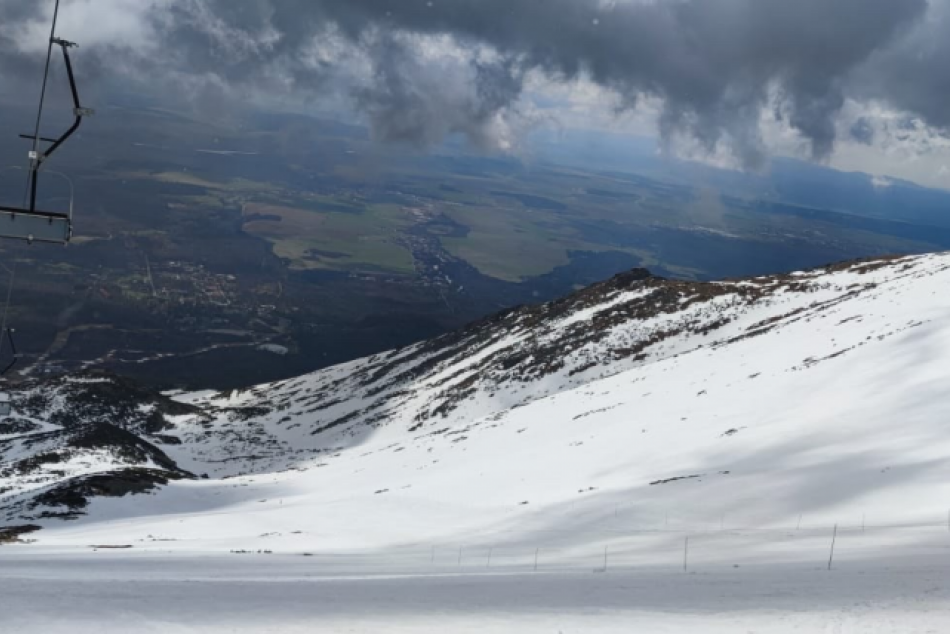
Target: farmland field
313,239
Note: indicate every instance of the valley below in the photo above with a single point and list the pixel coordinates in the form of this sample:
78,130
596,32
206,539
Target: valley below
267,247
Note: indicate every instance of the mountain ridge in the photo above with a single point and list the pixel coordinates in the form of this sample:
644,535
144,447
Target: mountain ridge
77,441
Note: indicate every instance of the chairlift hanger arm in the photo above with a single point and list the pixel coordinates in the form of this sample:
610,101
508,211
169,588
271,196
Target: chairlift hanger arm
78,112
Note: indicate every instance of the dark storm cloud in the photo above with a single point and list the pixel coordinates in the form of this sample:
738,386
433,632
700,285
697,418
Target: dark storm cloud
711,61
715,65
914,75
15,68
420,104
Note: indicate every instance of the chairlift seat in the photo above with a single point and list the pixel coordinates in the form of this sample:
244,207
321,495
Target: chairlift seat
35,226
6,407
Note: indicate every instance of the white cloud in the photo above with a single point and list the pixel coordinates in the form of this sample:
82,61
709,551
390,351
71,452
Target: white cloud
881,182
119,23
125,31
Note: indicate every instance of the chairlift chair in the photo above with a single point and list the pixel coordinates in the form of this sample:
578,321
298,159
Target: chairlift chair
29,223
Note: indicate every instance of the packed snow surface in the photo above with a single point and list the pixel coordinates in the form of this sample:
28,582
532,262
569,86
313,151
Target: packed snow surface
104,593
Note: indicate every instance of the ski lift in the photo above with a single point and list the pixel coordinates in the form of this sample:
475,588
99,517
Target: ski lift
29,223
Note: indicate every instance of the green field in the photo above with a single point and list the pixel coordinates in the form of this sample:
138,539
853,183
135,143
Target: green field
315,240
508,246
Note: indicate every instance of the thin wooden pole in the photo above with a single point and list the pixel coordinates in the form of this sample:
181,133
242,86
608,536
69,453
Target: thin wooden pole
834,537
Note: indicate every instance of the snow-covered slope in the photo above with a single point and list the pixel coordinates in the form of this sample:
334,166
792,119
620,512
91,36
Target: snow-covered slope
640,403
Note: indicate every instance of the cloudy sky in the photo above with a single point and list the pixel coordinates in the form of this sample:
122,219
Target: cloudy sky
859,84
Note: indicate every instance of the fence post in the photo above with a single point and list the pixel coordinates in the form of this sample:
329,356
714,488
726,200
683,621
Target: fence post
686,555
834,537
